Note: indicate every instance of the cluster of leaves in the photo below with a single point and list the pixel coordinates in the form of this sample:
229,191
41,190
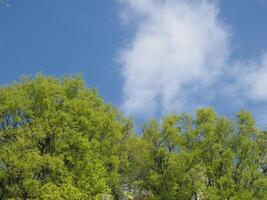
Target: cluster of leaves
202,157
60,140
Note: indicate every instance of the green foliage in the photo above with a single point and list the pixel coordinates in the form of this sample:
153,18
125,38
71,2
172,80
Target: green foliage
202,157
59,140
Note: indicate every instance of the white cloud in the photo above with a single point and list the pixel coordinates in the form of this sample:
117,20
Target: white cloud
178,60
251,79
178,50
262,1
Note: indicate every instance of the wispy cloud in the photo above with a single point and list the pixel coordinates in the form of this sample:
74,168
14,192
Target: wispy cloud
178,58
262,1
178,50
251,78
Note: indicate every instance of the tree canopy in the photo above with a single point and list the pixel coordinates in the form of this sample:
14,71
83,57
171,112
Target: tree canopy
205,157
60,140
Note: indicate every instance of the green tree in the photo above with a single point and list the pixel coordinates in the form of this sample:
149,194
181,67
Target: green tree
201,157
58,140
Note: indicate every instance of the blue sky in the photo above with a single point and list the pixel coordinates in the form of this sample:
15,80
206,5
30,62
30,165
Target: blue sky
211,52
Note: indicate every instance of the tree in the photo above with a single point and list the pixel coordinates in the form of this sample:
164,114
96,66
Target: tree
58,139
202,157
